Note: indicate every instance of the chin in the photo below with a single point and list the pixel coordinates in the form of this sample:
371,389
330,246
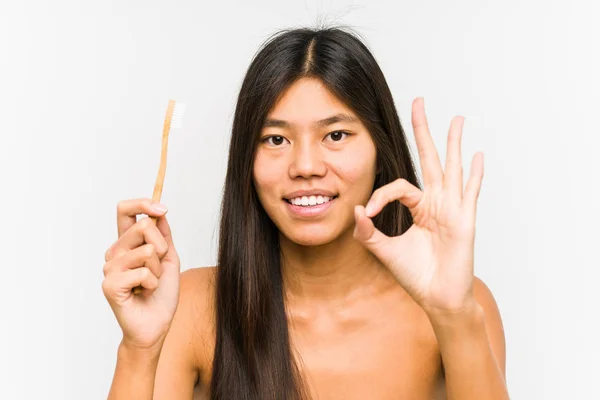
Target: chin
309,237
311,242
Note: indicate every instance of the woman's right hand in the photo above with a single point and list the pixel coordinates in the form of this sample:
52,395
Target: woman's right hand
144,255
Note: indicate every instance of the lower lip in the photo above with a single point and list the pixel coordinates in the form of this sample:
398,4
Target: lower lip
309,211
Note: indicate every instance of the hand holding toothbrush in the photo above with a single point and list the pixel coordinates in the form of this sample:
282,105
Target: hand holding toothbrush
142,269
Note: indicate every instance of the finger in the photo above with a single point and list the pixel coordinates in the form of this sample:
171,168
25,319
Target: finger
144,231
122,283
128,210
165,229
143,256
453,171
400,189
473,186
171,257
428,155
366,233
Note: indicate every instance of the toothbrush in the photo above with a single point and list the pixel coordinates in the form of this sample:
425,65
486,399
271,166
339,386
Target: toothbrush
173,122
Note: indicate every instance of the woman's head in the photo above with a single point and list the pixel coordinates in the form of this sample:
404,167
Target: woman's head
313,149
279,147
299,78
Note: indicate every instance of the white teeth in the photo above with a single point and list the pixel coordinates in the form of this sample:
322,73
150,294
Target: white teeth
310,200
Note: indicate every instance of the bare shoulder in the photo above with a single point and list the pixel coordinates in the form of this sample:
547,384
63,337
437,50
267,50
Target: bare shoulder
485,298
197,294
493,321
190,341
198,286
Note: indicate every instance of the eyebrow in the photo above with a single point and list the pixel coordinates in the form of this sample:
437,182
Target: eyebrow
340,117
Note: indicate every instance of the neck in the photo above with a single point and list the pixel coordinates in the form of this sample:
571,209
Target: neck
338,272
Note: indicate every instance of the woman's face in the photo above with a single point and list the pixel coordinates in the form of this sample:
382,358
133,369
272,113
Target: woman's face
314,163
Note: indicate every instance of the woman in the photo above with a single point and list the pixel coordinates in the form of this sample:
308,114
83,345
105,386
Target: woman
326,286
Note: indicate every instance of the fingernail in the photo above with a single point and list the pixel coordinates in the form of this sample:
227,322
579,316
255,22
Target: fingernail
369,208
159,208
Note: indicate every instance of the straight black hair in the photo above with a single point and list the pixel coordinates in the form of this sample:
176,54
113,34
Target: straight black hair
253,359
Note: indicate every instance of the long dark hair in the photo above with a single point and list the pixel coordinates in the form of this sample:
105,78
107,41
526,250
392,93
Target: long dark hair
252,357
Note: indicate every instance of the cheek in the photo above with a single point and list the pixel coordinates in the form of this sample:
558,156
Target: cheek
357,168
266,175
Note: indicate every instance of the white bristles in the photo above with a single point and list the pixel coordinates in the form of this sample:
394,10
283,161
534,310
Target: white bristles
177,117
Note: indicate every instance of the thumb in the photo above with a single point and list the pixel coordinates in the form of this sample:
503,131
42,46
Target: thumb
366,233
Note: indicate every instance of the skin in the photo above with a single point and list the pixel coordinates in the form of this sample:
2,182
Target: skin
369,316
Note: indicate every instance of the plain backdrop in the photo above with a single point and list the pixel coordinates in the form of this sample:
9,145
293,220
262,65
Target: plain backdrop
83,91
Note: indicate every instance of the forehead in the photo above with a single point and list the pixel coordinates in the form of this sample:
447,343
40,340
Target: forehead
308,99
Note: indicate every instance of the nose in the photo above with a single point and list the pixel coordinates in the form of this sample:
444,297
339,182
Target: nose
307,160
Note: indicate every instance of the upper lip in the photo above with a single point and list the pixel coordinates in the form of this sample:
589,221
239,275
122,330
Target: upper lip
313,192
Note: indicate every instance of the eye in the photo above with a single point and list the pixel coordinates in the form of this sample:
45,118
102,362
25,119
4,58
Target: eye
336,136
274,140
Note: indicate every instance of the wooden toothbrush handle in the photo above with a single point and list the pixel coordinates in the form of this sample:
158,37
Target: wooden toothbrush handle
158,186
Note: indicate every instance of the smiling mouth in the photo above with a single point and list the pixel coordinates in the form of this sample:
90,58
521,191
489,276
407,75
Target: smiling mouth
310,201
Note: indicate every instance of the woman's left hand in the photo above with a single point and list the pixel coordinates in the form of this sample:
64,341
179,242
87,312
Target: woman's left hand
433,259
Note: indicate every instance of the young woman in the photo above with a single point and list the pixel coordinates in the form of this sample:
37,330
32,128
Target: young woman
339,276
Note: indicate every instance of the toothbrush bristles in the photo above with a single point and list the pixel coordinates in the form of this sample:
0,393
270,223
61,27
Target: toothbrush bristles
177,117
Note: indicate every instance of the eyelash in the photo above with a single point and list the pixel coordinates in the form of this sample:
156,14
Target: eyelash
265,139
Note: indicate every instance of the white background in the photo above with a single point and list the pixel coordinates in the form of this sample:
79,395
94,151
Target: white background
83,91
